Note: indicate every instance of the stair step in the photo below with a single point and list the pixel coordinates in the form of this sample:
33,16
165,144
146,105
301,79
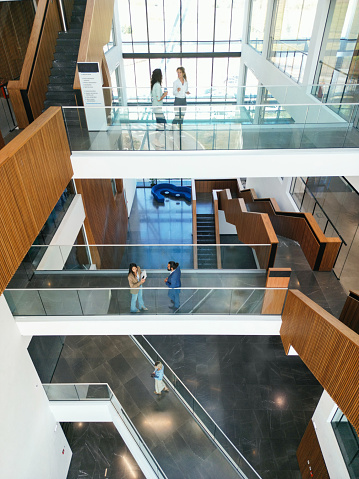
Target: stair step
70,34
67,47
67,40
64,95
79,8
61,79
48,103
67,71
76,20
66,56
61,87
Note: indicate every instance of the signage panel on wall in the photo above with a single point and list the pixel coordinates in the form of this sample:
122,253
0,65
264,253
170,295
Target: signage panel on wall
92,95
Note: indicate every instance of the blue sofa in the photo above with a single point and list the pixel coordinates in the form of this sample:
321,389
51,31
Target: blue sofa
161,190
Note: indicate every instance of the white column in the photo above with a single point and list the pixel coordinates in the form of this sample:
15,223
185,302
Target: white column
315,43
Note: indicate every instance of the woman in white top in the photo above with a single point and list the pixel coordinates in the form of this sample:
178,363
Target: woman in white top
180,90
157,95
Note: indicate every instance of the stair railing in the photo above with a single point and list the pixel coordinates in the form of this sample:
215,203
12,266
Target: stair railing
28,94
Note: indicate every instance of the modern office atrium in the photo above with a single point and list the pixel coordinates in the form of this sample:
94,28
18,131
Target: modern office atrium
245,188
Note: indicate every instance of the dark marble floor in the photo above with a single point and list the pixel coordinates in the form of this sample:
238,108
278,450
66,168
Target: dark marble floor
151,222
98,451
261,398
173,436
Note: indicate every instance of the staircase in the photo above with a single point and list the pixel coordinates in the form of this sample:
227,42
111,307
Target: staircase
60,89
206,235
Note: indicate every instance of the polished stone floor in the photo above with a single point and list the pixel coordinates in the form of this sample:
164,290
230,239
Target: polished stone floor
151,222
98,452
177,442
261,398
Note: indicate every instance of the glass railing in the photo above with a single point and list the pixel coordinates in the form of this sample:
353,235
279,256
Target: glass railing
63,258
210,427
210,127
158,301
103,392
335,205
230,92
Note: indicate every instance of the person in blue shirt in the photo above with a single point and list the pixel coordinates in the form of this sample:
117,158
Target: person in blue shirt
158,375
174,283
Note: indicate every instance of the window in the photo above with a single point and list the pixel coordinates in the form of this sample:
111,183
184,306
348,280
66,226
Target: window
291,32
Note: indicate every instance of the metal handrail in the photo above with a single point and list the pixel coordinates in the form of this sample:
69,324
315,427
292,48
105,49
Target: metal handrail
212,437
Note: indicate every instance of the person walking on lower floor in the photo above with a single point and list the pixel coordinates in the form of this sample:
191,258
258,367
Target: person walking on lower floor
174,283
158,375
136,281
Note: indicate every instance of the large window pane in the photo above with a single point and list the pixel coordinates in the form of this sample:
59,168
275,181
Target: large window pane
291,33
138,20
125,22
189,22
337,56
155,21
205,20
257,24
172,25
223,20
237,20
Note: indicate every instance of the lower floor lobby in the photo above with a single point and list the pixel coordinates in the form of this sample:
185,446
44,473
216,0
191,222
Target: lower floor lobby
260,398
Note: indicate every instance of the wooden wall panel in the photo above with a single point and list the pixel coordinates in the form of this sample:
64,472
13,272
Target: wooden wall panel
194,224
350,312
95,33
43,63
35,168
309,450
14,87
320,251
332,246
329,348
106,219
16,23
273,301
206,186
252,228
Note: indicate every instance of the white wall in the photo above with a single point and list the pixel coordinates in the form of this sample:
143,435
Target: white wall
224,227
129,185
255,325
57,254
30,447
274,188
216,164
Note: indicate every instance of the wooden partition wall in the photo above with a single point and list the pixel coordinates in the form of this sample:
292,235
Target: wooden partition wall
320,251
106,219
96,33
310,458
14,36
329,348
350,312
207,186
35,168
194,223
29,92
252,228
